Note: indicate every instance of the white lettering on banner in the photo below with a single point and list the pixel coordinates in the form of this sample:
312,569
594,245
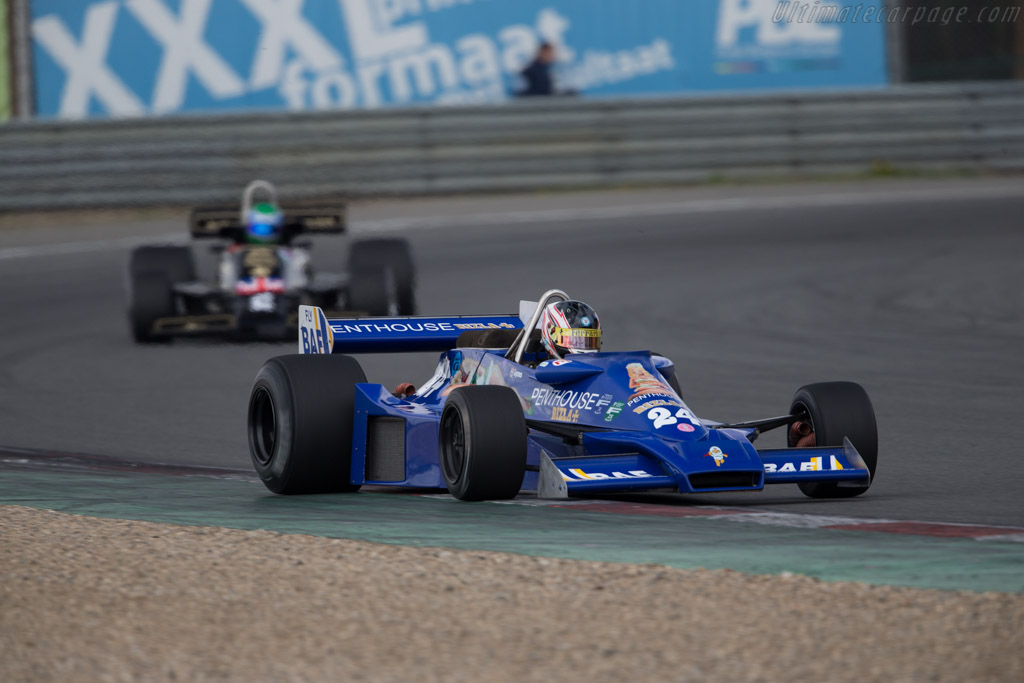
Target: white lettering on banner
479,63
437,5
552,27
521,45
387,12
370,30
85,64
436,58
603,68
283,26
184,51
392,58
401,60
332,89
293,86
736,15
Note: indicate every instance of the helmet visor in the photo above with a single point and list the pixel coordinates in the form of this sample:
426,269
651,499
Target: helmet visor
263,229
577,339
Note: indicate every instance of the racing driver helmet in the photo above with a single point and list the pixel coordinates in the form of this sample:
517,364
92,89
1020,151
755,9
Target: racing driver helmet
570,327
264,223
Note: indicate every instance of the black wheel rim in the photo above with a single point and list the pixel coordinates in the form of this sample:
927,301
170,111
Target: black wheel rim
262,426
453,446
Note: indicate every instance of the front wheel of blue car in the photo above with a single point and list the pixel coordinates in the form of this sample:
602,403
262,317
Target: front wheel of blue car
300,418
482,443
834,411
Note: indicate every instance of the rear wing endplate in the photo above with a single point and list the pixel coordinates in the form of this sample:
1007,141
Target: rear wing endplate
317,334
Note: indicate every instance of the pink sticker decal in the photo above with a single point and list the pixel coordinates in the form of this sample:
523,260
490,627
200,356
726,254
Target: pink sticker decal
684,427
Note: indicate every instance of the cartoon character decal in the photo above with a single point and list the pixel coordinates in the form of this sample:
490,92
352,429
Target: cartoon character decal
717,454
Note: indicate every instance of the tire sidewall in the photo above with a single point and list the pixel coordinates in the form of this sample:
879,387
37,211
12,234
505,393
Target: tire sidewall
456,408
276,473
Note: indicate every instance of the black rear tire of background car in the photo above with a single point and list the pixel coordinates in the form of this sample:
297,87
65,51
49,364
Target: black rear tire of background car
300,419
152,272
394,257
175,261
368,292
482,443
837,410
151,299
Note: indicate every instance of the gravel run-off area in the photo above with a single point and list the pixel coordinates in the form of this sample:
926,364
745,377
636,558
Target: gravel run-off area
86,599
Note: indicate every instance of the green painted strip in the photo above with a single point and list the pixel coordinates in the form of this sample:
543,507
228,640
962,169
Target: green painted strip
5,64
686,542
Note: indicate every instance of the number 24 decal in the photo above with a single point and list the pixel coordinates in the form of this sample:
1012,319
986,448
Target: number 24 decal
663,416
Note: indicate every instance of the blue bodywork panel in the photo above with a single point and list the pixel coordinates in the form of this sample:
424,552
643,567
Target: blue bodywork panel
599,423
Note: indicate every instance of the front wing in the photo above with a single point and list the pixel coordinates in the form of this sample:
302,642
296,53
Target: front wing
562,477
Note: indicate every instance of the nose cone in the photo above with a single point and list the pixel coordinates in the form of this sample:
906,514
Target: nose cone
668,418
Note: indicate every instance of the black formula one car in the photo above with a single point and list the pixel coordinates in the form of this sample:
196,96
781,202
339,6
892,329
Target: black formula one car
263,274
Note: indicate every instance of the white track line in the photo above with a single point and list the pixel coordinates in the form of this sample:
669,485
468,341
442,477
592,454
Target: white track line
695,206
89,246
808,200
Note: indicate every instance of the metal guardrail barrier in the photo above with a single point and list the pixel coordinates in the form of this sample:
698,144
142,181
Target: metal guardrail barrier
558,143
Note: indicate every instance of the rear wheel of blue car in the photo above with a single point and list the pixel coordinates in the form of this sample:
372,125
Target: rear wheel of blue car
835,410
482,443
300,423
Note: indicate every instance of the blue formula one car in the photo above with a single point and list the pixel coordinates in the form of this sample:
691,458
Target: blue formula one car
500,415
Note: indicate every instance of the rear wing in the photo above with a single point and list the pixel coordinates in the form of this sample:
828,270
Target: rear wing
225,222
317,334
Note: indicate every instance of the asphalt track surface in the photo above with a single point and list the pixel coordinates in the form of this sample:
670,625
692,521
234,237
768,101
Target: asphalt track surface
913,289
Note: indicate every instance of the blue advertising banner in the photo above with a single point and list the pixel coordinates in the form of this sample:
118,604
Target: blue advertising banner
96,58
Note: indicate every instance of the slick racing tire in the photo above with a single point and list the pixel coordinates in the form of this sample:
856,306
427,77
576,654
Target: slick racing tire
368,292
394,257
176,262
837,410
300,423
482,443
151,299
